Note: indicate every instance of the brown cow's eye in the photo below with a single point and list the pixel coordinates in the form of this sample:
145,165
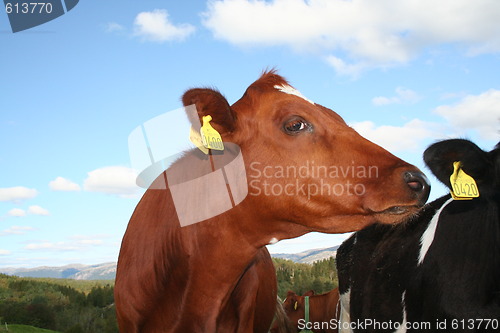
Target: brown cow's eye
296,125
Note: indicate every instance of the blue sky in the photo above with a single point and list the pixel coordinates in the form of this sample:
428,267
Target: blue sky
403,74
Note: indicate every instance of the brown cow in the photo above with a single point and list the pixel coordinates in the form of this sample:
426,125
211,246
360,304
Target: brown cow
323,311
216,275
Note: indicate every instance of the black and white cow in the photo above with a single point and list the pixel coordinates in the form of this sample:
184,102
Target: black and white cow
439,271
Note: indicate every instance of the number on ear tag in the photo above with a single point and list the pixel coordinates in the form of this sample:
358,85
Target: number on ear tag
195,138
463,186
210,137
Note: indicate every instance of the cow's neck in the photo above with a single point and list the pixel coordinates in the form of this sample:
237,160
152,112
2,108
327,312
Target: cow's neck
260,227
218,254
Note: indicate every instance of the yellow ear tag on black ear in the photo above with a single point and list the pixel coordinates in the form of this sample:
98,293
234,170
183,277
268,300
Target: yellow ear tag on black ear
295,305
463,186
195,138
210,137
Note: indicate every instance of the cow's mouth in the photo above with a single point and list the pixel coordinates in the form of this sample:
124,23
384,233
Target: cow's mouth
396,214
396,210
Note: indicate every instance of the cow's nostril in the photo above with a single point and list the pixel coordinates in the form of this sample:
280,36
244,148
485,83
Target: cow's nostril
415,186
419,184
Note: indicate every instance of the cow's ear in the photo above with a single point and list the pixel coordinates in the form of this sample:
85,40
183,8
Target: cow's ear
211,102
309,293
440,156
291,298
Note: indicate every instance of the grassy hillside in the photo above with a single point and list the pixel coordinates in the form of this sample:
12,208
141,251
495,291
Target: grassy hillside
84,286
24,329
59,305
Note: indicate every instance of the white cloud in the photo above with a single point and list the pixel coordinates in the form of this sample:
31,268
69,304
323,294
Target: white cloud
90,242
403,96
16,212
64,246
59,246
304,242
37,210
16,230
34,210
17,193
114,27
341,67
365,32
155,26
117,180
398,138
475,112
4,252
63,184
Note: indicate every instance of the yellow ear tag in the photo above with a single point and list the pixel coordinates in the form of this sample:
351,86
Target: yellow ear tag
195,138
210,137
463,186
295,305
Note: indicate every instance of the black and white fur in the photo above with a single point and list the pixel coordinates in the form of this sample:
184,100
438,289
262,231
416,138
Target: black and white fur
440,266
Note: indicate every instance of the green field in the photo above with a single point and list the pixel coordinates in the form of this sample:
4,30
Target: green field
24,329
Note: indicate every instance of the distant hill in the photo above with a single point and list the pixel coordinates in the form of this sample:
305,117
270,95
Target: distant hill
309,256
107,271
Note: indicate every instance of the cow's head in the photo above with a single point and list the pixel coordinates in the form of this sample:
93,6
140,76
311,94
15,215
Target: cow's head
294,306
307,170
483,167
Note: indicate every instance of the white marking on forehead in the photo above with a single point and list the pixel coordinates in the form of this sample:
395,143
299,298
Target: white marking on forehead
291,91
428,236
273,240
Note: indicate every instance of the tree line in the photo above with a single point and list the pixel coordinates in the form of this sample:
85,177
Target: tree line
57,307
321,276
